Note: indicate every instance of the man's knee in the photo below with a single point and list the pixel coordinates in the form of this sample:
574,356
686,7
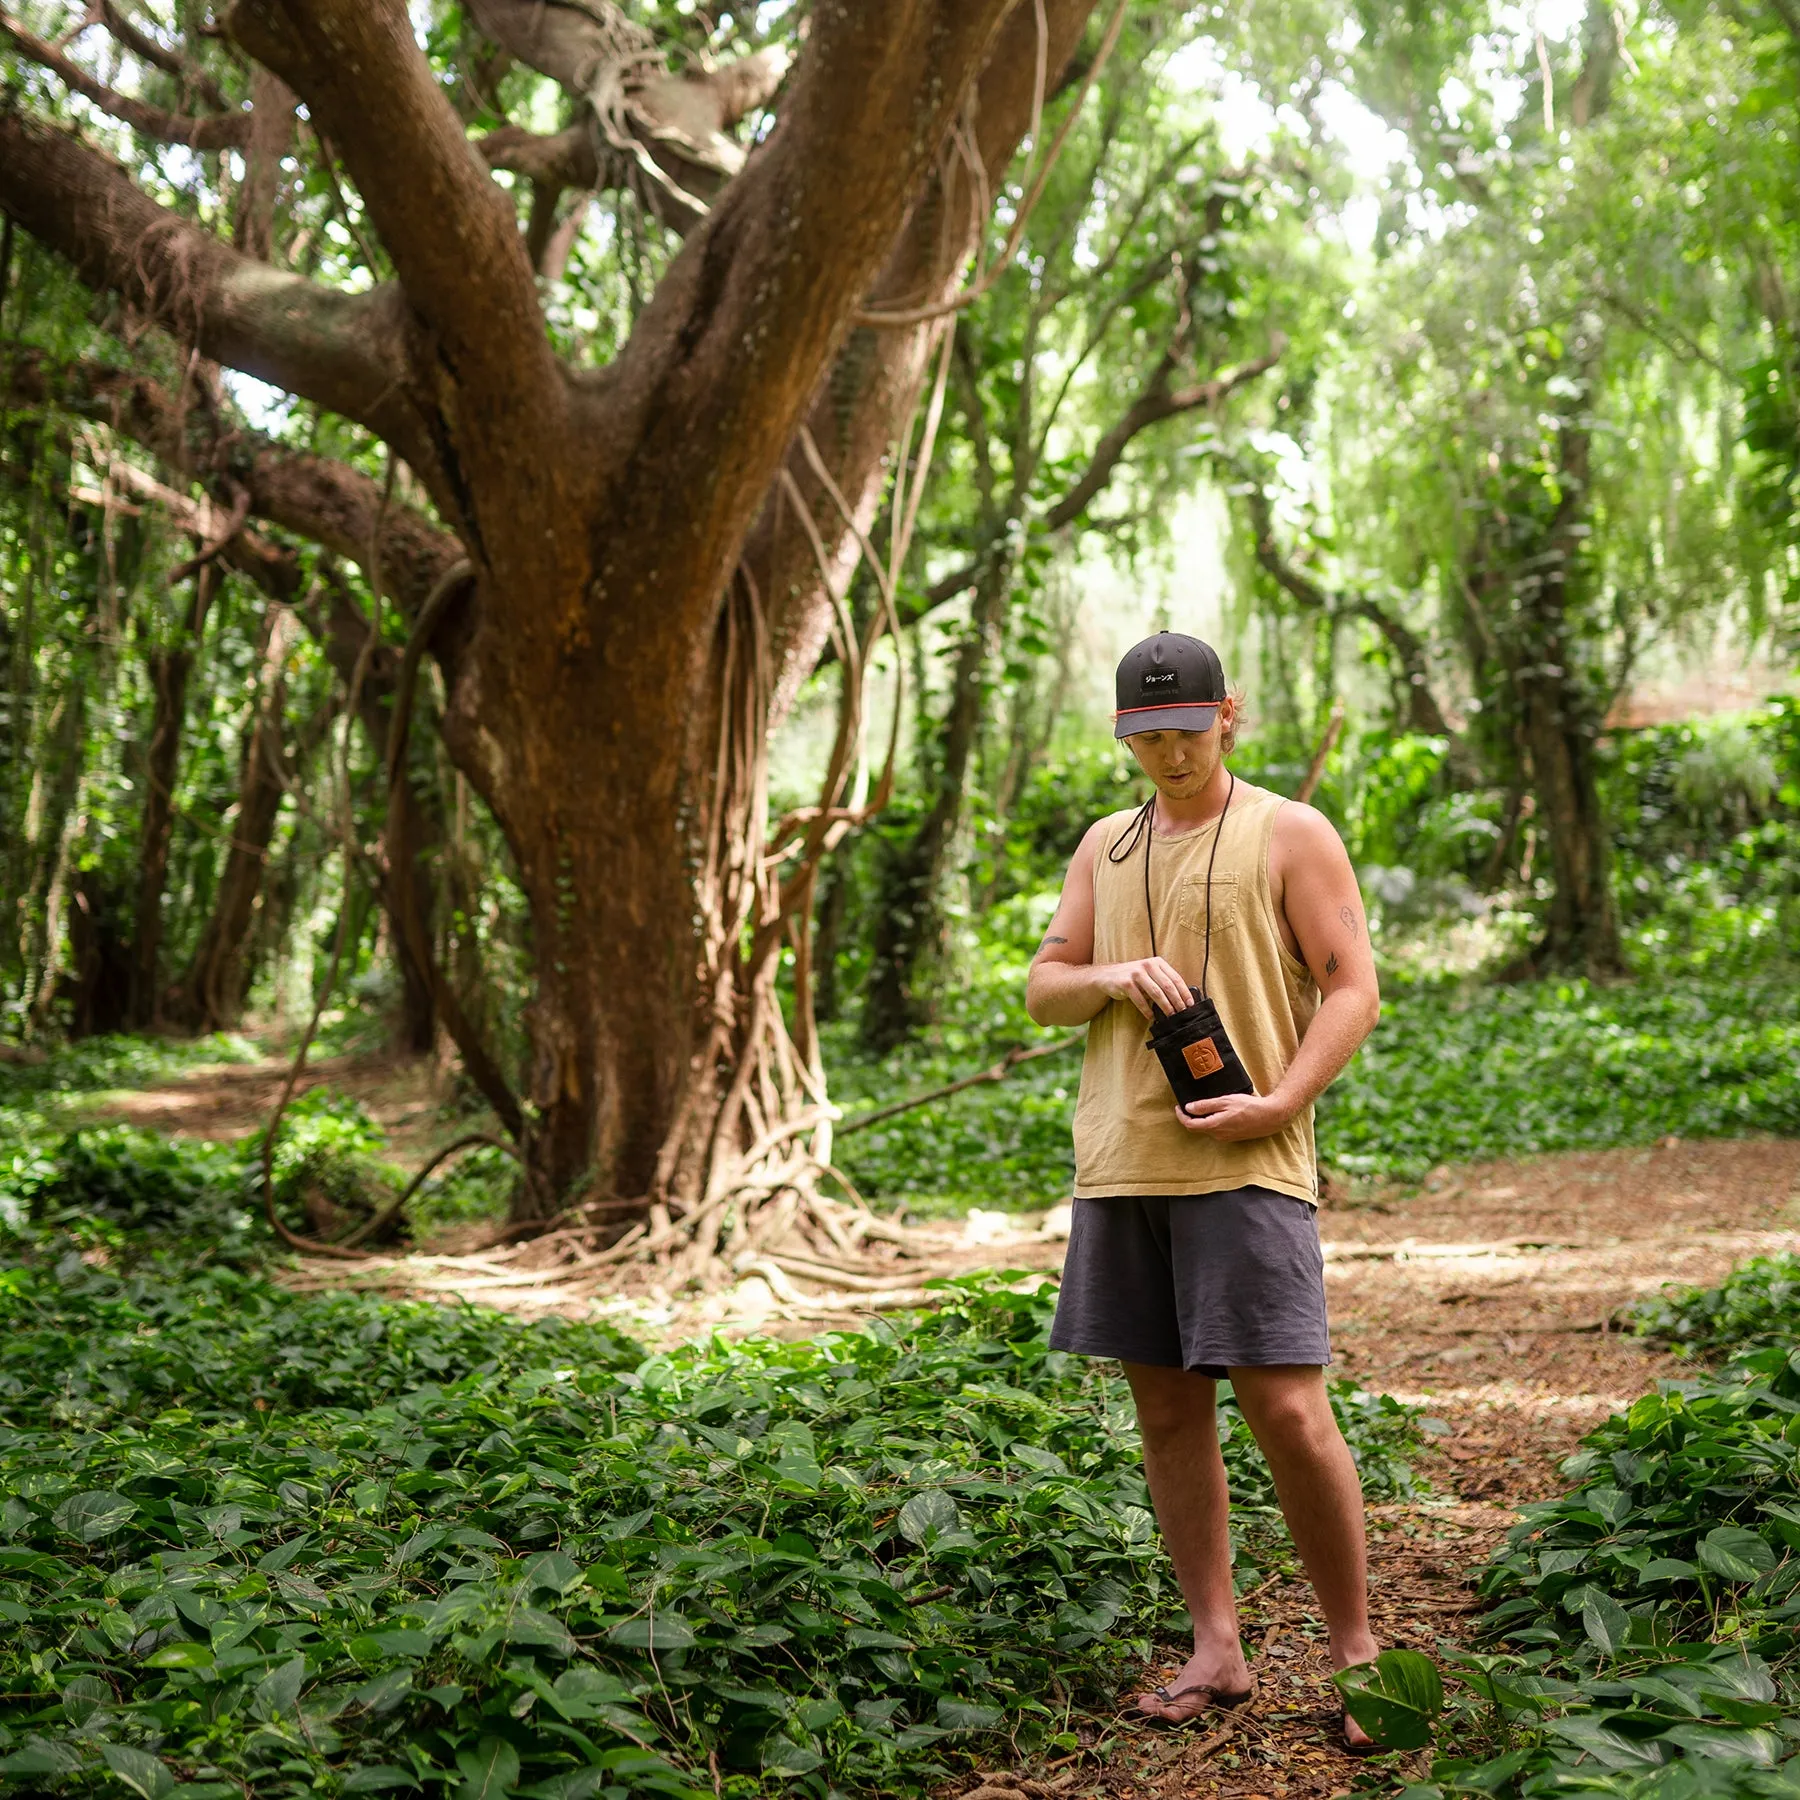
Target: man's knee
1170,1402
1287,1411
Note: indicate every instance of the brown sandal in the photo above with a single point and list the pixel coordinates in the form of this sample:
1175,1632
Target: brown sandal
1219,1698
1353,1749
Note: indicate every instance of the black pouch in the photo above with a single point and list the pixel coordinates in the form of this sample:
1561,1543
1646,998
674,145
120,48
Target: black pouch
1196,1053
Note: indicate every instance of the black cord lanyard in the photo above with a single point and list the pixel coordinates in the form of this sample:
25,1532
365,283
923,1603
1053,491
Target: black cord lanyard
1145,826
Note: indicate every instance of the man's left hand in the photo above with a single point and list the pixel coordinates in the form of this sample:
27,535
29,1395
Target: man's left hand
1233,1117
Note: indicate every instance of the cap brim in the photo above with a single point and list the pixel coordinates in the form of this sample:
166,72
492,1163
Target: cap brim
1165,718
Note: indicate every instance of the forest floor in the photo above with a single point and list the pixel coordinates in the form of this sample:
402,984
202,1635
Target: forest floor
1490,1297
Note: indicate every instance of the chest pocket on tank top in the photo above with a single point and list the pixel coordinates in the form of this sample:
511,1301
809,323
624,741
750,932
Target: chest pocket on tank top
1190,911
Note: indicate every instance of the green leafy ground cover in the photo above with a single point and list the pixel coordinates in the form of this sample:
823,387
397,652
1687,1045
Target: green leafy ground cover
336,1545
1452,1074
1644,1632
1756,1305
108,1183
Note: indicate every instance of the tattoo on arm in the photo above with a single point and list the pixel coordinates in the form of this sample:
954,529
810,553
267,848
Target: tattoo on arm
1348,915
1052,939
1331,964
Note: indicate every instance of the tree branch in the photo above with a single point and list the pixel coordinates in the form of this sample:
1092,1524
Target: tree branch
563,159
213,131
664,136
450,230
1155,404
855,413
317,498
341,350
1422,712
147,49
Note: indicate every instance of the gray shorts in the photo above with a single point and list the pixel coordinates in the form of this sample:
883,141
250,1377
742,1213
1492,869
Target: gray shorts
1207,1282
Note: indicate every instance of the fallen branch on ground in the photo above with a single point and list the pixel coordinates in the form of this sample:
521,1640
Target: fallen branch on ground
1022,1053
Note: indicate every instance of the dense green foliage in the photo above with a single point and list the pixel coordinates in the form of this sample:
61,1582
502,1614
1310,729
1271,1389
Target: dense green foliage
1756,1305
336,1545
1644,1631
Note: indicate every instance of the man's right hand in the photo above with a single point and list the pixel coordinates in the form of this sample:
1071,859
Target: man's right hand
1152,985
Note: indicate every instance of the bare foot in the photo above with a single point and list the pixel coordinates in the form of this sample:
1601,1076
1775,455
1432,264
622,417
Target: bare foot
1345,1656
1208,1676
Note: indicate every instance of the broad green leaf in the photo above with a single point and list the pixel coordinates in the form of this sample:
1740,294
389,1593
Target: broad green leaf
1413,1677
1046,1462
529,1625
965,1715
372,1778
1745,1712
279,1691
1739,1677
661,1631
181,1655
95,1515
863,1637
489,1771
551,1569
928,1516
41,1756
1559,1562
1395,1698
1613,1505
83,1697
222,1521
140,1771
1725,1743
1735,1553
780,1757
576,1692
1610,1749
1605,1621
385,1692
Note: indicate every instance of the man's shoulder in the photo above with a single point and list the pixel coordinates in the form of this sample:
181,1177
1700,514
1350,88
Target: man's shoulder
1299,820
1104,826
1301,835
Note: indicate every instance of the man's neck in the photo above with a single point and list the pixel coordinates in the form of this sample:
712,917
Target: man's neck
1191,810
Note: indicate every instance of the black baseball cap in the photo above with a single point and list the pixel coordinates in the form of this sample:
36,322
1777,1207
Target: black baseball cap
1170,682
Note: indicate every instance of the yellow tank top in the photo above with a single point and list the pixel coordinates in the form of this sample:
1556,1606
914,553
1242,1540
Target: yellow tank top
1127,1138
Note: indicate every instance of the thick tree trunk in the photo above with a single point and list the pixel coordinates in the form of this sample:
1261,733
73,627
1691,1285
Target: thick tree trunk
1558,726
909,918
629,849
211,994
169,668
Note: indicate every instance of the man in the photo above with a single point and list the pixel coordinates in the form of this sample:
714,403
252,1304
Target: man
1194,1252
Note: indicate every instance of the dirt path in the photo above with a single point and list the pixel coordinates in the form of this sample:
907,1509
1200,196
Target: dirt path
230,1101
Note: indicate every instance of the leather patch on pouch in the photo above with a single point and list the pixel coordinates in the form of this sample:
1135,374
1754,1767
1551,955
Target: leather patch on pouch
1202,1058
